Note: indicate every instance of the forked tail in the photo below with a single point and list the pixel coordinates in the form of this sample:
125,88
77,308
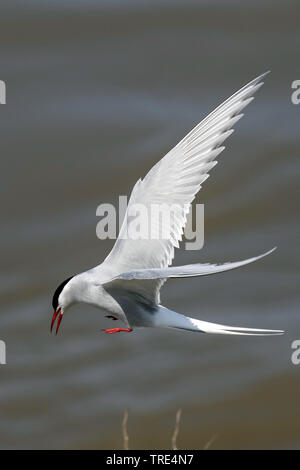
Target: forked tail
169,319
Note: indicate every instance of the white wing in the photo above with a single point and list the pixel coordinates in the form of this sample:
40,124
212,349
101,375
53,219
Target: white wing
189,270
175,179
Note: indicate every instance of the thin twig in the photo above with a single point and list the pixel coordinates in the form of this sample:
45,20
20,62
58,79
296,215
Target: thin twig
210,442
176,430
124,430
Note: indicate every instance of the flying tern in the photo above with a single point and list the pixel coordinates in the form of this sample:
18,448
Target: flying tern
127,284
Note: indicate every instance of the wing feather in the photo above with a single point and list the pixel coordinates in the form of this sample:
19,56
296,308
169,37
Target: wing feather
189,270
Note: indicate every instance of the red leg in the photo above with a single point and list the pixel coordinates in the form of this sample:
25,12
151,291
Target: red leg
117,330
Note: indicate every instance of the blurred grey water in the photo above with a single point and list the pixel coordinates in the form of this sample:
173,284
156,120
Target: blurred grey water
97,92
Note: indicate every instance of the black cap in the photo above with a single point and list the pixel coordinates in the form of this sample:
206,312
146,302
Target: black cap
58,291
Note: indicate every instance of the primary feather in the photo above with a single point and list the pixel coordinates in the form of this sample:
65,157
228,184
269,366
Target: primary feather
189,270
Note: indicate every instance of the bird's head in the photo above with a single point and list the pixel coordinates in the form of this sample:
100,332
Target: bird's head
61,301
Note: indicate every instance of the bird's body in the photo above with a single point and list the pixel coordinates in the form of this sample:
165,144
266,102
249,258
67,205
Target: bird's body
127,284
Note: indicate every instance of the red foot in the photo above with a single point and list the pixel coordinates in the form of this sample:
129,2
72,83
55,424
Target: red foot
116,330
111,317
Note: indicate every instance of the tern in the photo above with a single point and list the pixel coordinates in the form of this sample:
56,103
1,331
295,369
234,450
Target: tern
127,284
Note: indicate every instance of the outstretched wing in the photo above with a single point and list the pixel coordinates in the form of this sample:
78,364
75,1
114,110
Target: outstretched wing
174,181
189,270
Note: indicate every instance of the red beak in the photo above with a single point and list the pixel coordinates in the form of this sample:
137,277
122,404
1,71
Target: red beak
57,312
